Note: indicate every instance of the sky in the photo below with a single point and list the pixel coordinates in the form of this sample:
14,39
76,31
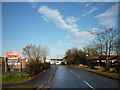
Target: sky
57,25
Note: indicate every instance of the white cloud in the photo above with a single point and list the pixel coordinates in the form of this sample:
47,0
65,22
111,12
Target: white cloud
55,16
45,19
68,24
88,4
72,21
109,17
90,11
82,37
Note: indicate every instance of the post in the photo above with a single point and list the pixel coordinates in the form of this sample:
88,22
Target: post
21,65
20,69
5,65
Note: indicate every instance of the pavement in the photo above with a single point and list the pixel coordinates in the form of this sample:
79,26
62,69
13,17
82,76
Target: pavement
38,82
71,77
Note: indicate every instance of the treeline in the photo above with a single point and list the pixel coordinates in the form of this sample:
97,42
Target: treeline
105,45
78,56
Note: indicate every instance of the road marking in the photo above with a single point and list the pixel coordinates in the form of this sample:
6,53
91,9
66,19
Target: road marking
77,75
71,71
89,85
83,80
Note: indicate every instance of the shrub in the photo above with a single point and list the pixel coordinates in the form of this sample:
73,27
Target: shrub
35,67
102,68
112,70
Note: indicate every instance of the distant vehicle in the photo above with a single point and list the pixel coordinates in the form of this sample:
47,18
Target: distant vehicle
58,63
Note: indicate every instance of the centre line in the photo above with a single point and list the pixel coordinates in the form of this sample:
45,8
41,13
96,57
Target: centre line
89,85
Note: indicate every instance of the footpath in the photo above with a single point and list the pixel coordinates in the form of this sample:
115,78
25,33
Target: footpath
36,83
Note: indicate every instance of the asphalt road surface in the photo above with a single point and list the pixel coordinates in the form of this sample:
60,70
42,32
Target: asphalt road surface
70,77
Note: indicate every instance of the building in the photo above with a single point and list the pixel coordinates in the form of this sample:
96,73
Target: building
14,61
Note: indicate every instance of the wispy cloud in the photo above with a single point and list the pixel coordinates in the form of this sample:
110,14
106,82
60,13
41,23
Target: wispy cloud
68,24
109,17
82,37
45,19
90,11
54,15
88,4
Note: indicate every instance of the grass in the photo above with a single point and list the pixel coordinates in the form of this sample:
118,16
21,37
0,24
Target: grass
111,75
11,78
15,78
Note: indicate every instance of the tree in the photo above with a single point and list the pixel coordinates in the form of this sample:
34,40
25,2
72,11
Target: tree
33,52
104,39
45,53
116,47
75,56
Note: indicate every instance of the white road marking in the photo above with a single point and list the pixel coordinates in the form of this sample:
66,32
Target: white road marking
77,75
83,80
71,71
89,85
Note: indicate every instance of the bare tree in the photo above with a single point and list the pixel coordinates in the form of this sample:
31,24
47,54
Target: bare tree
116,47
104,38
44,53
27,51
35,52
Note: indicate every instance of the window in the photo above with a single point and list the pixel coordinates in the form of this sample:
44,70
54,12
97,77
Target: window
13,56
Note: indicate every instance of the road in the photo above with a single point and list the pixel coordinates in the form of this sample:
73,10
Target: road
70,77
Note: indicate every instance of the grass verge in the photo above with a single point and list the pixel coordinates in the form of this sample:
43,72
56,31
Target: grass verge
11,78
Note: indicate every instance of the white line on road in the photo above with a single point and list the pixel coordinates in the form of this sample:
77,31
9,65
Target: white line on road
89,85
83,80
71,71
77,75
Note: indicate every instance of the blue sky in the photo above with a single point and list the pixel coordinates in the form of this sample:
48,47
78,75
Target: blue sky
58,26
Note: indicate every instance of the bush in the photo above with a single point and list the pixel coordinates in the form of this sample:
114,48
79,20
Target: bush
114,70
35,67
